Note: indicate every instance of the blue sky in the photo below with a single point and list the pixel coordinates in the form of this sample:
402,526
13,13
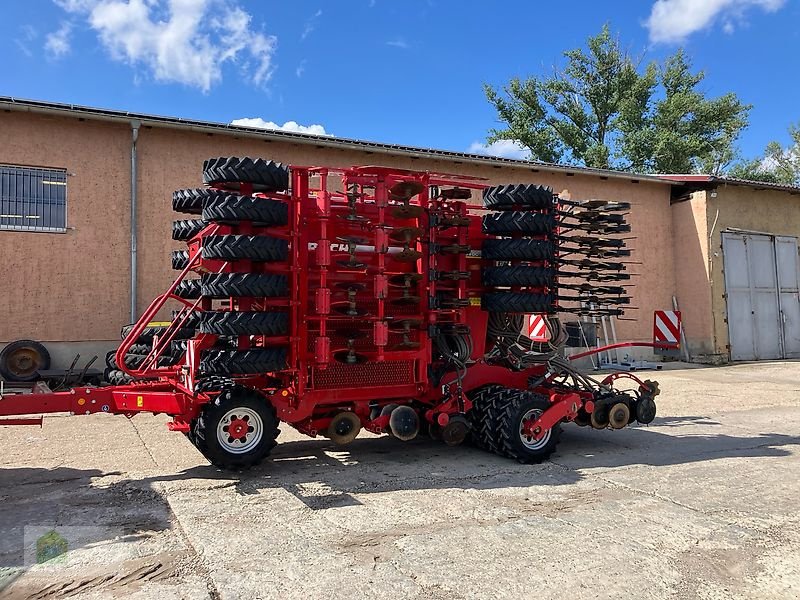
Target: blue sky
408,72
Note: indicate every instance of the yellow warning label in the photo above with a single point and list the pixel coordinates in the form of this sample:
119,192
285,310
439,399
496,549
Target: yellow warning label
139,402
475,301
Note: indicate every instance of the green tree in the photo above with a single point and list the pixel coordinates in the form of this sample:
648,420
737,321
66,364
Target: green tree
605,110
778,164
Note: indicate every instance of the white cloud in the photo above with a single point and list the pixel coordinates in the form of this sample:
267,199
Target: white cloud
398,43
675,20
501,148
57,43
293,126
301,68
311,24
183,41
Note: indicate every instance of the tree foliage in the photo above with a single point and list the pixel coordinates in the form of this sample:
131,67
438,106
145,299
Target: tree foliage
605,110
778,164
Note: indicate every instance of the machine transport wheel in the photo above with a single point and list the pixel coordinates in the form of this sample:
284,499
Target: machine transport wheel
520,249
520,407
237,429
230,172
230,208
516,221
244,323
191,201
21,360
255,360
253,285
180,258
249,247
483,416
517,276
188,289
117,377
504,197
184,230
517,302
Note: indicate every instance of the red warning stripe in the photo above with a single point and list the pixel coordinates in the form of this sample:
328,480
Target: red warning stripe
667,326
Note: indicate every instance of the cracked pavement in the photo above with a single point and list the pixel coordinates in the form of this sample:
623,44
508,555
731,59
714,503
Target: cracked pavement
701,504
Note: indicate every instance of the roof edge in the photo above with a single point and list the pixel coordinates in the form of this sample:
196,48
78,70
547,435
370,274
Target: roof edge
44,107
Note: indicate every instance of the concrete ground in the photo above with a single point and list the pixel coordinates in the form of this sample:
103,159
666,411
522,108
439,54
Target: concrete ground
701,504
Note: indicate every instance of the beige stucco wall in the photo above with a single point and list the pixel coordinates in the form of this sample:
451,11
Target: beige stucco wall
74,286
742,207
693,287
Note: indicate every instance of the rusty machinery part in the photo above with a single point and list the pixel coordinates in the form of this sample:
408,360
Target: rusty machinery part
619,415
237,429
344,428
599,417
21,360
404,423
456,430
232,172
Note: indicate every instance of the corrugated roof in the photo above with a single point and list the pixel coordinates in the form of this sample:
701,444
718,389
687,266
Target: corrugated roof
714,180
38,106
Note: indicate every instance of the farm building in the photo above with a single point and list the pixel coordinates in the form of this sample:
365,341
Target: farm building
86,240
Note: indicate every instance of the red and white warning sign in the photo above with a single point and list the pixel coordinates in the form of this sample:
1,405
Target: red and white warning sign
667,327
537,328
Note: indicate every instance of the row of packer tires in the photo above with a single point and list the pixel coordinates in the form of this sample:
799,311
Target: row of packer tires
524,225
226,204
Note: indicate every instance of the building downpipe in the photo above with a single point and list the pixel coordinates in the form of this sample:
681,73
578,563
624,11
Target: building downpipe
135,125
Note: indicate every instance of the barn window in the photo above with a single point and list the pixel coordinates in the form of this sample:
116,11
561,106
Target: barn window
33,199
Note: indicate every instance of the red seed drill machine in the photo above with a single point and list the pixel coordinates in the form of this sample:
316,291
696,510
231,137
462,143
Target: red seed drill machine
376,298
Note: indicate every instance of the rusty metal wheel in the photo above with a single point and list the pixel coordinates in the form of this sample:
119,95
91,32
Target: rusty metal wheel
21,360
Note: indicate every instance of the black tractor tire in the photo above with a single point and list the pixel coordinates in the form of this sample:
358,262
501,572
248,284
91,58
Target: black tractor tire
229,453
117,377
180,258
244,285
519,405
525,195
245,247
230,208
483,417
517,302
151,331
22,360
522,276
230,172
191,201
515,221
521,249
188,289
244,323
243,362
184,230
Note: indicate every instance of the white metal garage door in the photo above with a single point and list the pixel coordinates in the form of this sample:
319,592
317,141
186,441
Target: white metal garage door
761,285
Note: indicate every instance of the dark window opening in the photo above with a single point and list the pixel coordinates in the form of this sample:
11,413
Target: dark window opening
33,199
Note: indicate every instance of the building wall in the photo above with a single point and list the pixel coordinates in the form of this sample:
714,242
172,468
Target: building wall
693,285
740,207
75,286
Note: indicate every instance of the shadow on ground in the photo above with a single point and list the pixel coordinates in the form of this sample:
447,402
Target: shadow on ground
323,475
